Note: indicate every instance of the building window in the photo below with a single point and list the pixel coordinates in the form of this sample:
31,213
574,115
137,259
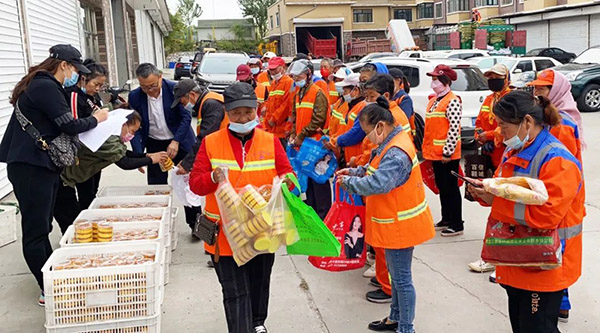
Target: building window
483,3
506,2
403,14
271,21
90,31
277,19
363,16
457,6
424,11
439,12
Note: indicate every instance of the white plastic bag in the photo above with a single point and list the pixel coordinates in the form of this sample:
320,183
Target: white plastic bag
524,190
181,187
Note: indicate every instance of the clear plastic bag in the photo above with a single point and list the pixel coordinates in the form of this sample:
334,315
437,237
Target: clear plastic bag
252,224
524,190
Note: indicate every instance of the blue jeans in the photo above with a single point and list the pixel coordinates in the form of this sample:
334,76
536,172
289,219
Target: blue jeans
403,291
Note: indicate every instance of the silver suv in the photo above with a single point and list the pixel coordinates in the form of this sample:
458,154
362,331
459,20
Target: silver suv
218,70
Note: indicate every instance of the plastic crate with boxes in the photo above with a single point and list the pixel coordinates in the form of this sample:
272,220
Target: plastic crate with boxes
93,284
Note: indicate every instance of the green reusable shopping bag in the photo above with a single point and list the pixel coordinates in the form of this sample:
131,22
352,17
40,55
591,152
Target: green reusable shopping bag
315,238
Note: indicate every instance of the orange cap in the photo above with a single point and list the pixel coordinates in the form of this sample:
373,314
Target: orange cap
544,78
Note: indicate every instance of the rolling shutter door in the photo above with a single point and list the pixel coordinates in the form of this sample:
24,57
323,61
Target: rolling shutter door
594,28
569,34
537,34
52,22
12,68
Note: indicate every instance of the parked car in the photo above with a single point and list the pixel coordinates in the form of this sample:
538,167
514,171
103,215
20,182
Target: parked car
584,75
517,66
198,58
552,52
218,70
376,55
182,68
447,54
471,86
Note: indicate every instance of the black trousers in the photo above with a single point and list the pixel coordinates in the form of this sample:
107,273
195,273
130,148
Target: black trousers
157,177
318,196
450,197
35,188
71,201
245,291
532,311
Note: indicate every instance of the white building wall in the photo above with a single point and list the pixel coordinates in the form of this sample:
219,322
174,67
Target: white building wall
150,40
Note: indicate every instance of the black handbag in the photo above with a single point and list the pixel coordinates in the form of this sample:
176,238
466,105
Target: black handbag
62,150
206,230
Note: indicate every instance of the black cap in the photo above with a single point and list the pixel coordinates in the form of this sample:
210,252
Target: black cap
338,63
238,95
69,54
396,73
300,56
181,89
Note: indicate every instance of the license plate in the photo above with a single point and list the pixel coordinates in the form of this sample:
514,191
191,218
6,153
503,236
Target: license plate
187,66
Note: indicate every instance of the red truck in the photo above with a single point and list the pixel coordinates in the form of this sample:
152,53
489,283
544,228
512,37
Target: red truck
360,48
321,47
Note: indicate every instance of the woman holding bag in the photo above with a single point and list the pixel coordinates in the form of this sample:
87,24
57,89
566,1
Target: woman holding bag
397,213
534,295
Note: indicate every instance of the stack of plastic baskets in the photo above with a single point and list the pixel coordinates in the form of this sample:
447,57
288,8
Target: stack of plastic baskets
115,298
164,201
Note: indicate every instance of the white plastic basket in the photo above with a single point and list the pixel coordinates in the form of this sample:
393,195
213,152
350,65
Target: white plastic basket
163,200
89,295
138,214
128,191
174,235
8,225
68,238
146,325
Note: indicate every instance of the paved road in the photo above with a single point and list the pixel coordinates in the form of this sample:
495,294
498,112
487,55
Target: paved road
304,299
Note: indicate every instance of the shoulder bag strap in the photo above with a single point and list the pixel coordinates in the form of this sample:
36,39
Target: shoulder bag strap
28,127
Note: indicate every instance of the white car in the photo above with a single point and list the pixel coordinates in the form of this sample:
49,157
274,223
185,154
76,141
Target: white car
447,54
517,66
218,70
471,86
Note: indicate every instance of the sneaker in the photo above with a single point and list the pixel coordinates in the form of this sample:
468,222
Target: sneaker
369,273
42,299
210,264
260,329
370,259
374,282
563,316
383,325
378,296
492,278
442,225
481,266
451,232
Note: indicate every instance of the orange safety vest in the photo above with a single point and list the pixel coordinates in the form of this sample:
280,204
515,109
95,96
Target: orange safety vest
333,94
215,96
305,108
258,170
548,160
400,218
486,121
436,130
357,149
279,106
263,78
339,111
400,118
262,93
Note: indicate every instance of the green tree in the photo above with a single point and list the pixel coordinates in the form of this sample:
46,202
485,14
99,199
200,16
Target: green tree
257,10
240,41
189,11
181,38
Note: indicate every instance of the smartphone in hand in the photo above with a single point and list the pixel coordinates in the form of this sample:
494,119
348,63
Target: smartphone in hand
465,179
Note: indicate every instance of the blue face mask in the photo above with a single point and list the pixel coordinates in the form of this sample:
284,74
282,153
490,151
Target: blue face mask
84,90
254,70
71,81
243,128
189,106
515,142
300,84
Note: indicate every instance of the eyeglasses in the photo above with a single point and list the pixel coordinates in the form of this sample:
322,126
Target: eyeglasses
153,86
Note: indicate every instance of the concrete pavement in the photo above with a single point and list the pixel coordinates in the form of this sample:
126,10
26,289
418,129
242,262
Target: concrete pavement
304,299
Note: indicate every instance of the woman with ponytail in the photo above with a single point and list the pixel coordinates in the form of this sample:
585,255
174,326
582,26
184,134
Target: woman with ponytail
397,213
532,151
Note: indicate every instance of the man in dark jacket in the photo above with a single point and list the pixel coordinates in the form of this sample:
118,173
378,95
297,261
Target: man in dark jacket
211,111
164,128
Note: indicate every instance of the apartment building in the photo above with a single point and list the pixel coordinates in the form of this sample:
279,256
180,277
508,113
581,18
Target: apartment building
118,33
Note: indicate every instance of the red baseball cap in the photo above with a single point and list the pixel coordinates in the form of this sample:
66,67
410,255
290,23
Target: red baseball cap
276,62
443,70
243,72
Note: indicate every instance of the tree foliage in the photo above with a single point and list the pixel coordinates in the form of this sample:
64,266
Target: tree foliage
181,38
240,41
189,10
257,10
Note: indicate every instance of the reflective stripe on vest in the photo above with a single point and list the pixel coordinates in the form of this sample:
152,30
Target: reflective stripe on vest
412,212
248,166
334,93
276,93
305,105
353,116
212,215
406,128
435,114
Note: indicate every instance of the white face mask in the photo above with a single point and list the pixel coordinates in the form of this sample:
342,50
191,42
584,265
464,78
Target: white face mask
277,76
515,142
375,138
